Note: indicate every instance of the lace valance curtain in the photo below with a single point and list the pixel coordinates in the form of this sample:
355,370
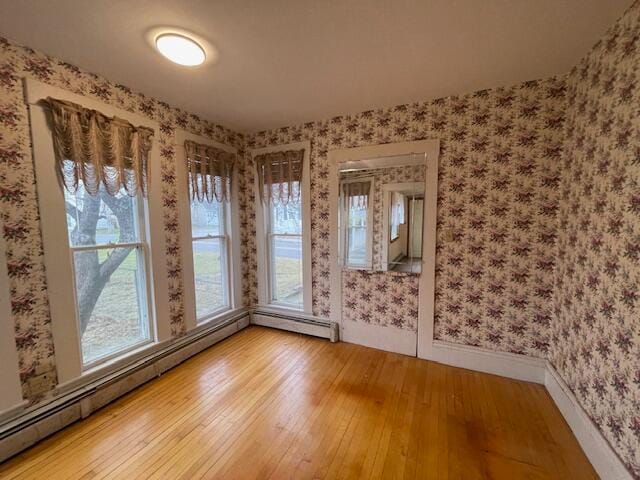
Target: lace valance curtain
210,172
280,175
356,194
93,149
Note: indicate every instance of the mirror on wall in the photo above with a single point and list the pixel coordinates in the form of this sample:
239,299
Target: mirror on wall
380,213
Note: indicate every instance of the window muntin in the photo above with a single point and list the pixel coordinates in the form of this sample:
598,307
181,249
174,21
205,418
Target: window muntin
284,231
110,273
357,229
210,265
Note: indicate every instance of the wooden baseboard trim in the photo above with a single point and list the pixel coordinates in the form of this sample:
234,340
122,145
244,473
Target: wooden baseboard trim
597,449
35,424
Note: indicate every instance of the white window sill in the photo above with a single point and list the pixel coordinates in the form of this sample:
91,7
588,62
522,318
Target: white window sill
215,317
122,354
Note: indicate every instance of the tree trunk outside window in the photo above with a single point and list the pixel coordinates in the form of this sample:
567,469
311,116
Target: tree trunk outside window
91,274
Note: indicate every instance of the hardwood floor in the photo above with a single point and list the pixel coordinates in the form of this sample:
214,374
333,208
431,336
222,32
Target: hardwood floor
271,404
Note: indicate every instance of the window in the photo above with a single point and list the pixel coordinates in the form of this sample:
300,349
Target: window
207,195
356,221
285,251
357,233
104,253
397,214
109,270
210,267
283,225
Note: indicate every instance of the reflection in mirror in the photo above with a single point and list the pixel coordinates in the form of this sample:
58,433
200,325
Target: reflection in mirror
403,207
380,213
355,213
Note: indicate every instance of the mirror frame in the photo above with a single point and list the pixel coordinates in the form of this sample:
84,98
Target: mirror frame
407,342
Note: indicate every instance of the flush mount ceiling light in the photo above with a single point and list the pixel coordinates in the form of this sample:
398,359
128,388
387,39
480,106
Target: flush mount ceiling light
180,49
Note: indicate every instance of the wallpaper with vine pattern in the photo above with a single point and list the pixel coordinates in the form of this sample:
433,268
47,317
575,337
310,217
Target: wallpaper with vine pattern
18,200
503,182
595,337
497,194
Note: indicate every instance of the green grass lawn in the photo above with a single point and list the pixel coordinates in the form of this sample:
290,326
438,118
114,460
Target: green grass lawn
115,323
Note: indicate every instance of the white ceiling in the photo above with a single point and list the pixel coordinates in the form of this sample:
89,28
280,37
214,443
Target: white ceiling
284,62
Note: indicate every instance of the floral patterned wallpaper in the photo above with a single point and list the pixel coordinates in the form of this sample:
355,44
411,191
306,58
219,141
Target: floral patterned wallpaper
497,194
387,299
18,201
506,191
595,338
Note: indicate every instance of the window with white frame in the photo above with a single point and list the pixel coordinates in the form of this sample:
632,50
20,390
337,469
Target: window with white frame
106,239
102,162
356,225
282,201
284,232
209,240
208,172
101,219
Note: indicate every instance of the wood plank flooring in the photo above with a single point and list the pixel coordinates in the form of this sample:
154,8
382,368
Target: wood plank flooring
271,404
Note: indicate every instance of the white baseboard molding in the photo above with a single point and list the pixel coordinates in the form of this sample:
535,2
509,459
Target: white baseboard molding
597,449
519,367
37,423
383,338
294,322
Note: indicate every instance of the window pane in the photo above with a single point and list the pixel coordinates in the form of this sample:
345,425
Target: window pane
394,232
357,231
357,253
287,270
210,277
358,211
206,219
110,291
286,217
100,219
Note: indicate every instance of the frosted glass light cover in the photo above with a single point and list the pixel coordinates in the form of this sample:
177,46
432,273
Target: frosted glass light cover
180,49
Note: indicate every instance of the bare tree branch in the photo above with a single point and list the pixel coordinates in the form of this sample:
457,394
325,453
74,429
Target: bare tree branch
113,261
72,210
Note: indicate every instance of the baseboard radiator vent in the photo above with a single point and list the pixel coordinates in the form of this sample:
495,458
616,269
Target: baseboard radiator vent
299,323
41,421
